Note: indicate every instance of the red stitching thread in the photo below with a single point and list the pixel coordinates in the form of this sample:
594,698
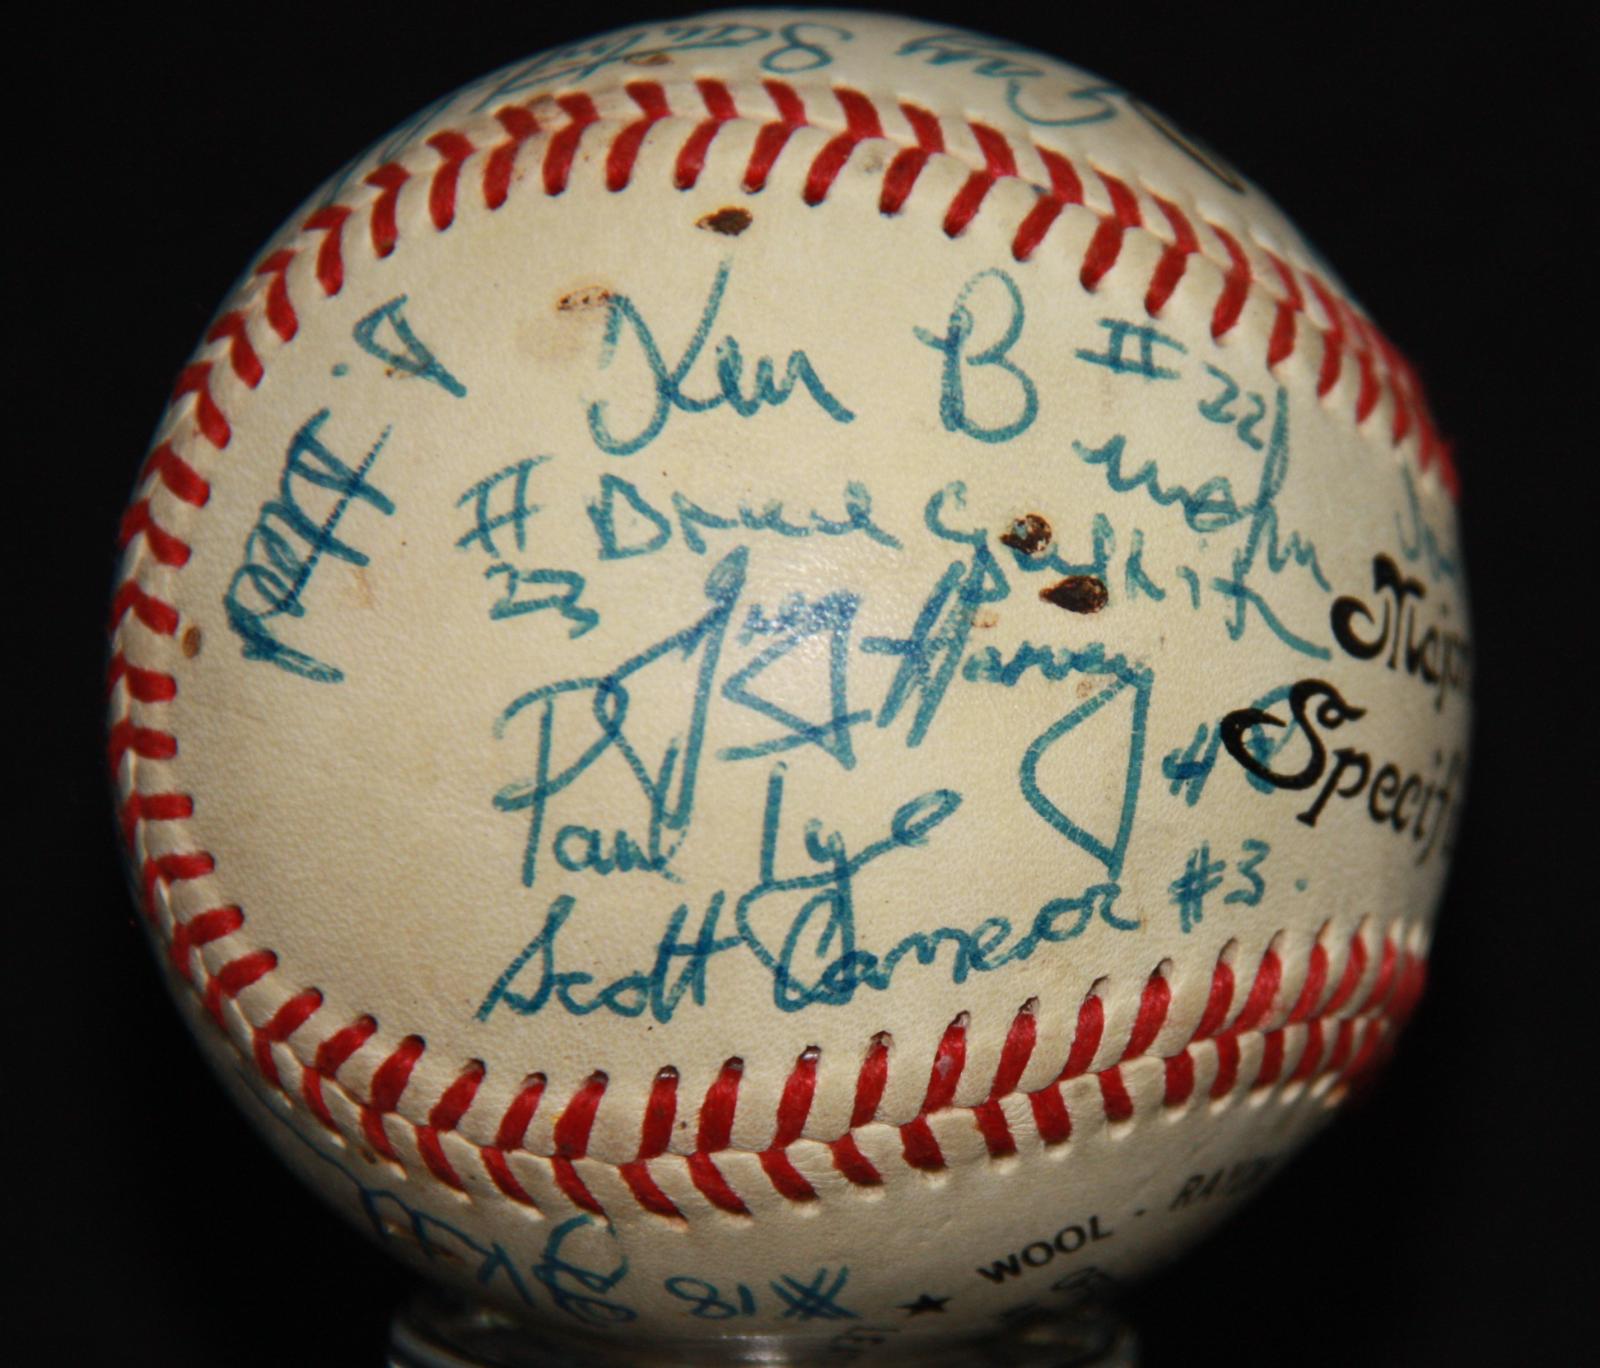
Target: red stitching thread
241,355
1359,1034
176,474
720,109
1235,286
508,1138
157,615
652,100
861,122
559,156
330,1057
196,380
1065,188
519,125
138,521
388,180
998,162
153,807
1106,245
655,1133
774,136
1281,344
907,165
199,931
793,1109
280,312
453,149
716,1128
330,255
1174,258
444,1117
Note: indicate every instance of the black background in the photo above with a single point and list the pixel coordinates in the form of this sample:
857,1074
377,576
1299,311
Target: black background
1443,166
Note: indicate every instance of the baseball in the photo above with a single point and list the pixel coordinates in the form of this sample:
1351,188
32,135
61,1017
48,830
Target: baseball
790,679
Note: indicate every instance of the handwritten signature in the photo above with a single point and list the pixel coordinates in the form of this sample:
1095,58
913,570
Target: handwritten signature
653,767
694,520
1213,507
288,542
801,928
1026,77
790,49
746,396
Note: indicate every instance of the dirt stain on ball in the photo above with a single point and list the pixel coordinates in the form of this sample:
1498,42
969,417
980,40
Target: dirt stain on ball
1077,594
730,222
1028,535
586,297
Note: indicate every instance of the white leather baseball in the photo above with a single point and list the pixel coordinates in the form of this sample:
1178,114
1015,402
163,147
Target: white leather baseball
790,674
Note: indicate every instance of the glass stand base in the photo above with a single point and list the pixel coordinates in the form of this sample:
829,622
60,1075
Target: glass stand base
436,1330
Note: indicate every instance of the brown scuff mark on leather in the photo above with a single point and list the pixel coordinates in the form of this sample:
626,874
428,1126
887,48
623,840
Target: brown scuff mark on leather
190,644
588,297
648,59
1029,535
730,222
1077,594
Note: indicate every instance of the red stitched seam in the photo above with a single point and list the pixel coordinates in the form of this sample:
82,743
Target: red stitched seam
1380,368
1358,1044
1400,973
1392,995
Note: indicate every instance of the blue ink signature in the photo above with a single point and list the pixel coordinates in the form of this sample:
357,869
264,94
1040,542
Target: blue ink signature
1056,665
508,488
579,1291
1203,876
766,388
1213,507
1418,541
932,652
1187,770
795,623
1023,73
800,928
416,359
1034,85
693,520
668,785
287,543
800,50
813,1298
960,356
1115,357
656,768
394,1221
